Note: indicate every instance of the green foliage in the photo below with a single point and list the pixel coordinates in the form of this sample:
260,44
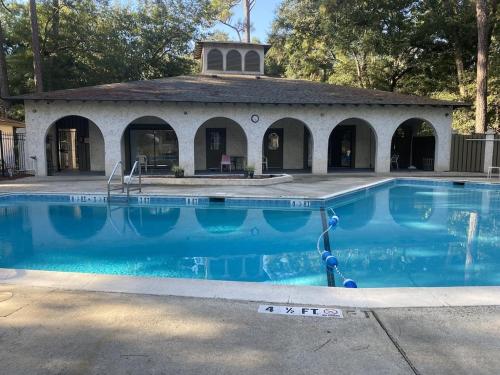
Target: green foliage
89,42
425,47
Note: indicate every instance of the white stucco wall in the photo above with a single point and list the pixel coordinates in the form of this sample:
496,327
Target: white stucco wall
96,142
365,147
113,117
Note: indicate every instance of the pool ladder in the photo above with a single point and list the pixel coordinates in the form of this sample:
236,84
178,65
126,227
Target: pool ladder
126,181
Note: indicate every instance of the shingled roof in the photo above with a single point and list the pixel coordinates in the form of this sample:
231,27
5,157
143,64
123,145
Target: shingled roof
235,89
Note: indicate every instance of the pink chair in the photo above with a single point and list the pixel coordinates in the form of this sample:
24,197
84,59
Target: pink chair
225,160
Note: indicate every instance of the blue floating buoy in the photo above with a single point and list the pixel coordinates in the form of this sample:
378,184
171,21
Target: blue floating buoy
331,261
333,221
350,283
325,254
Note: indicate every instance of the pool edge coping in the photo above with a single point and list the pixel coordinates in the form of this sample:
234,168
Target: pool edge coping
256,292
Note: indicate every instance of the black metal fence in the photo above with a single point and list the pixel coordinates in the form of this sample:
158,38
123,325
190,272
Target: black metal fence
496,151
13,155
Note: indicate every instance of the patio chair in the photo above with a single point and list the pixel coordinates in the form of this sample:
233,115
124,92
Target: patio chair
225,160
264,163
143,161
394,160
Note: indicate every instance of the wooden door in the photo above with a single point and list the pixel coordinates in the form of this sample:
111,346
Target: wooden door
216,146
273,148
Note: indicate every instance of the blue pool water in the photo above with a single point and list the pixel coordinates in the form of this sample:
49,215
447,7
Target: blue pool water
398,234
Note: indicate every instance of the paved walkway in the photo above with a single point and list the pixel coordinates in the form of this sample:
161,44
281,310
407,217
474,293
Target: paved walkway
48,331
303,185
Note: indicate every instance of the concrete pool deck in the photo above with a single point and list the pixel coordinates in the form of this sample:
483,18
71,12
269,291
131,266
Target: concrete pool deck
307,186
49,331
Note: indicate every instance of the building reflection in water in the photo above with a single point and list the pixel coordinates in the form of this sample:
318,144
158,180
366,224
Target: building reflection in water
287,221
410,207
220,220
77,222
152,221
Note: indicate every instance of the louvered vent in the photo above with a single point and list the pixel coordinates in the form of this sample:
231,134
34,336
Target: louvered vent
214,60
252,62
233,61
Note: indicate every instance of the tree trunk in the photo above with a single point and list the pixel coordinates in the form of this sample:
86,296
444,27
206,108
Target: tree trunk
37,59
482,65
459,63
4,83
246,10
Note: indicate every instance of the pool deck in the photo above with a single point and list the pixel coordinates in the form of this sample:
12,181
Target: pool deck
51,331
307,186
63,323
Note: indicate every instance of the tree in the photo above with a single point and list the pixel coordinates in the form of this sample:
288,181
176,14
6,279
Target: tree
35,45
485,24
225,11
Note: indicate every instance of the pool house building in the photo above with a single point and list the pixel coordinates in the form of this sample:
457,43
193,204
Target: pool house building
230,116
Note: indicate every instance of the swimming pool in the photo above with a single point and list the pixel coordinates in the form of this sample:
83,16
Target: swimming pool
398,234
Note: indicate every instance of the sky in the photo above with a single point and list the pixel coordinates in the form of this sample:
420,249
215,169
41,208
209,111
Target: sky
262,17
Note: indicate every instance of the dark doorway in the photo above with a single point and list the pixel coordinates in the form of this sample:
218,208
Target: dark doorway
413,146
216,146
155,145
341,147
273,148
73,144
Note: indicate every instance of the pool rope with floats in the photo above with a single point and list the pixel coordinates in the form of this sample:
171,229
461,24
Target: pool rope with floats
330,260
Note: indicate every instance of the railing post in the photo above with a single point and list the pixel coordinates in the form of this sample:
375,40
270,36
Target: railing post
1,154
122,177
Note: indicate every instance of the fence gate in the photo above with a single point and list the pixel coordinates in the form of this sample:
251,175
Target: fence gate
13,155
467,156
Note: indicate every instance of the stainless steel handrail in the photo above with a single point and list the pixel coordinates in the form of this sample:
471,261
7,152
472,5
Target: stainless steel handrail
111,178
131,177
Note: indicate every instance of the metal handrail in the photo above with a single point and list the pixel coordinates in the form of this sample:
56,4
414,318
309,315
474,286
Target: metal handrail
131,177
111,178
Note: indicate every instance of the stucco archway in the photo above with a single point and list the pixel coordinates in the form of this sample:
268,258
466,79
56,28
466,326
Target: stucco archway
352,145
153,141
413,145
287,145
220,138
74,144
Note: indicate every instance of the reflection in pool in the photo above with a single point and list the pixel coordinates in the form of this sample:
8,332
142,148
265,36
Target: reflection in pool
393,235
153,221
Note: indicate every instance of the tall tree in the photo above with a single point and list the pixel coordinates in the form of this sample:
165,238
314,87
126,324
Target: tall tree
35,45
247,9
4,84
485,22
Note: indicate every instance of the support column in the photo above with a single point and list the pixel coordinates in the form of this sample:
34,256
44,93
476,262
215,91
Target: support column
35,138
186,153
443,149
488,149
383,155
320,152
112,153
254,150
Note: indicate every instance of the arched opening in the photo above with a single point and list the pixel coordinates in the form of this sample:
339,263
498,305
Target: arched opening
220,220
153,221
74,144
352,145
286,221
215,60
220,146
233,61
77,222
413,146
252,62
410,208
287,145
152,141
